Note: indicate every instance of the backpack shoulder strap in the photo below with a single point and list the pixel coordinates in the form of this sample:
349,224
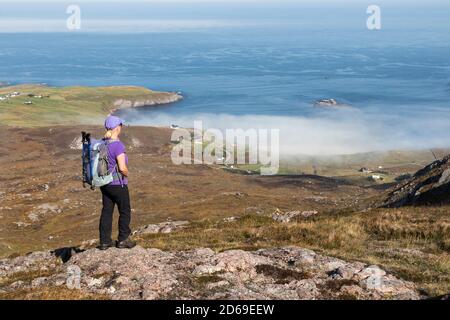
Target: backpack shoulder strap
109,141
116,173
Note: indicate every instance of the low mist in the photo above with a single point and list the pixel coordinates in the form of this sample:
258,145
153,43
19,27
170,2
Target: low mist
331,133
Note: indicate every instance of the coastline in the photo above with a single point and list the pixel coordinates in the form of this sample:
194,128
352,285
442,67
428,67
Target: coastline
162,99
37,105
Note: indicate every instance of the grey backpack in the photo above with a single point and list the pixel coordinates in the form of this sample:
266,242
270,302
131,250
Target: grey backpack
100,174
96,162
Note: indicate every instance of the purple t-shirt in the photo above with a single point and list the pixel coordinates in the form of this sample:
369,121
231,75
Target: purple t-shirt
115,149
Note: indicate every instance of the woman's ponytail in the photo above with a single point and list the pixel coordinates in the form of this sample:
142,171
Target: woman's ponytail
108,134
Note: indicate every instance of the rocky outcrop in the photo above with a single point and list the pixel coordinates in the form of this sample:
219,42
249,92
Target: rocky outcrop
164,227
430,185
76,143
291,216
280,273
161,98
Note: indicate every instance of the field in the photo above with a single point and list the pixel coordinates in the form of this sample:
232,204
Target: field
43,204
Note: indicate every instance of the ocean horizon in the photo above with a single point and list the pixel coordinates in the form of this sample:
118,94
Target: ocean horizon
267,73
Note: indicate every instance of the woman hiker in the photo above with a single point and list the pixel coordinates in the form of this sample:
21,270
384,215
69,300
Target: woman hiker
116,193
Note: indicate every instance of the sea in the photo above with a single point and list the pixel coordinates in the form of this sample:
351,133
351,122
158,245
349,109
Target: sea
265,73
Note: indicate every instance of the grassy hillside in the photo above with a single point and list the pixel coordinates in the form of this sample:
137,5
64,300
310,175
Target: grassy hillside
66,105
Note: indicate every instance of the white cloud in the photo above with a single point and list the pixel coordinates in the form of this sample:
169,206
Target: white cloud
118,25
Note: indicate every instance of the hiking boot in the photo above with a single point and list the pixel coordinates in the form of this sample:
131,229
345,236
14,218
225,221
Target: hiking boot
126,244
105,246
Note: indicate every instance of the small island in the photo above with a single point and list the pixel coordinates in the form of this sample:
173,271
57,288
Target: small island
330,103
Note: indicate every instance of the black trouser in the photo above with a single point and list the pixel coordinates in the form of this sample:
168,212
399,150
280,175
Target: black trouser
112,195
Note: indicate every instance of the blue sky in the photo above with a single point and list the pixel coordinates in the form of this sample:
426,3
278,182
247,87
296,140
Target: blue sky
154,15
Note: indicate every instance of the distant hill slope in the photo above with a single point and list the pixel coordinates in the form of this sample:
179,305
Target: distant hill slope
430,185
35,105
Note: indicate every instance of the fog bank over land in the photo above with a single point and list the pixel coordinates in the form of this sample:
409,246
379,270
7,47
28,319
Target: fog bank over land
339,132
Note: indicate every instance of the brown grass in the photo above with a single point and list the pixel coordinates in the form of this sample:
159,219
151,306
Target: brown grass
51,293
25,276
411,242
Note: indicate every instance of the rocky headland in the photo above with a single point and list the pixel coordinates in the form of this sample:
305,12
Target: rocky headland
160,99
